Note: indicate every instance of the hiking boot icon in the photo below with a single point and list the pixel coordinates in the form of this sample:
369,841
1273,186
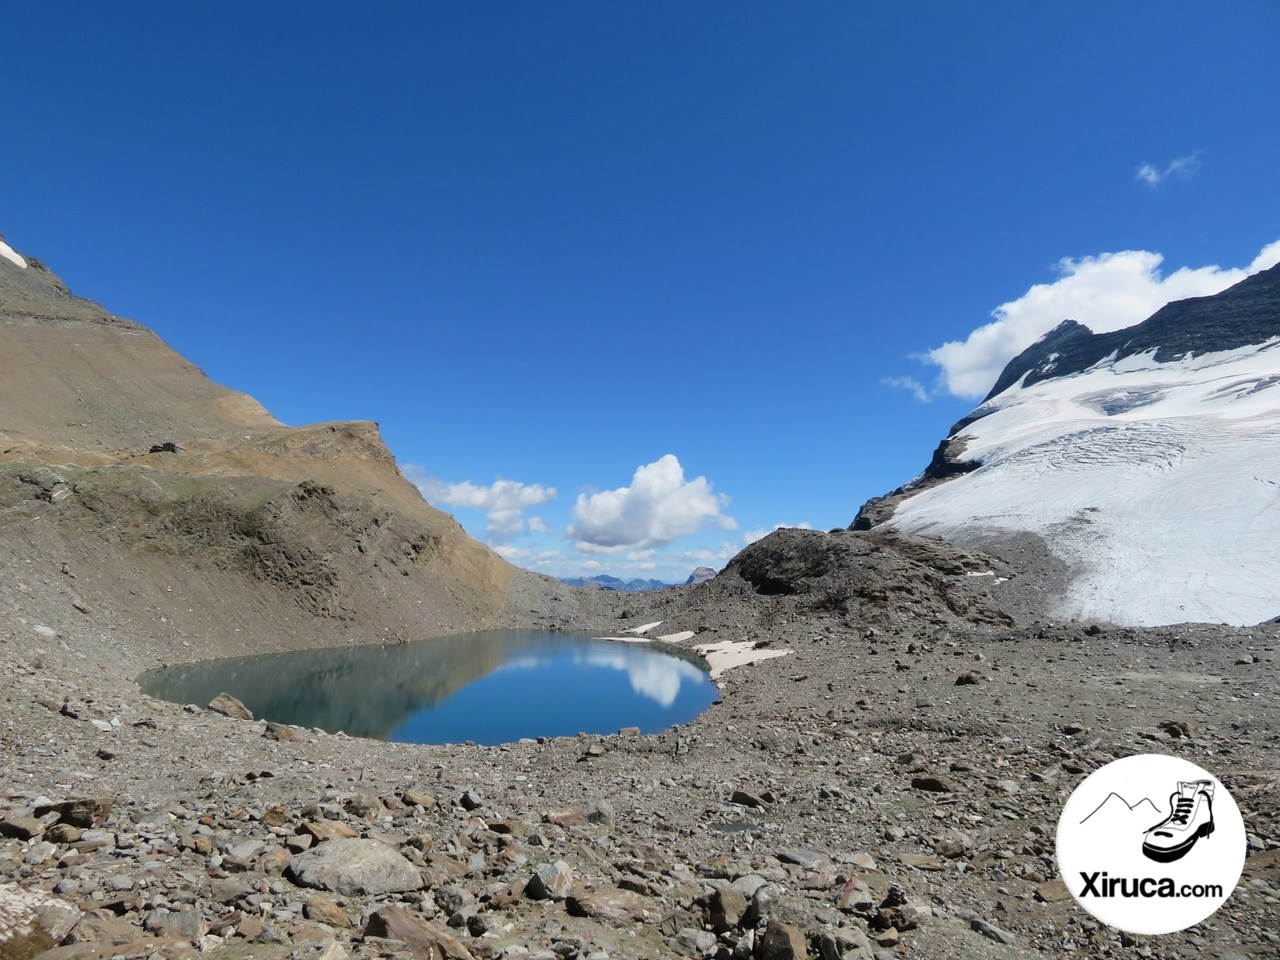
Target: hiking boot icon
1190,818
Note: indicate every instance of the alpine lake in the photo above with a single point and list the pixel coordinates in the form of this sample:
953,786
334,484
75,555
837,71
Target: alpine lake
487,688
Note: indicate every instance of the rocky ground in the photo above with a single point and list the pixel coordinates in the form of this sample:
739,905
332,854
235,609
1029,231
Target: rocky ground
889,789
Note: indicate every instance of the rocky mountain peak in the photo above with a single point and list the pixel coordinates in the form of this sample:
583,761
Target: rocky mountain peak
1244,314
29,289
1040,360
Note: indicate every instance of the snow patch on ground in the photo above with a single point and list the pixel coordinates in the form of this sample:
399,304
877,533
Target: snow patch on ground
643,628
679,637
12,255
728,654
1158,482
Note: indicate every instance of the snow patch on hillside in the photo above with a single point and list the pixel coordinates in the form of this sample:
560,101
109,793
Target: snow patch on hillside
12,255
1159,483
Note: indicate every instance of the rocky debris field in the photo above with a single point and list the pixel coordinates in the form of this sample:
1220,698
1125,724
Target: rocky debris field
890,789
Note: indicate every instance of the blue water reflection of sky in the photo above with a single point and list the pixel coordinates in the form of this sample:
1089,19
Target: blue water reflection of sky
578,687
659,678
491,687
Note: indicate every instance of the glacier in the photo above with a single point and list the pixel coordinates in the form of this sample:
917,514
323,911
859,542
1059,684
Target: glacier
1158,483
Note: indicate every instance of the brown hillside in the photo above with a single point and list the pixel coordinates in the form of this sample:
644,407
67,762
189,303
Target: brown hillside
250,535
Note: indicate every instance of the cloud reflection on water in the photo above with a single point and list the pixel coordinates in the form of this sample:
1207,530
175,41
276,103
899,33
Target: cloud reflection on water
655,677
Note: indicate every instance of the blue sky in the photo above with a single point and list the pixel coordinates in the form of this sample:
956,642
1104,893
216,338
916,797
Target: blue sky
627,283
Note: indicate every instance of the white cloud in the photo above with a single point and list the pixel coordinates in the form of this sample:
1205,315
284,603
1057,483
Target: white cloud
512,553
584,547
502,502
752,536
1107,292
529,557
538,525
1148,174
660,506
704,556
1181,167
911,385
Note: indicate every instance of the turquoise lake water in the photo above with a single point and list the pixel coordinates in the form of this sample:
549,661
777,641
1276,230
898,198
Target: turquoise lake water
489,688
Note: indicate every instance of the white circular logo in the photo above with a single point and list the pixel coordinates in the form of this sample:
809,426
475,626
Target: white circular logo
1151,844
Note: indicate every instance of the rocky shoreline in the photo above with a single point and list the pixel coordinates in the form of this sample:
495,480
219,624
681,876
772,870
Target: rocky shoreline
889,790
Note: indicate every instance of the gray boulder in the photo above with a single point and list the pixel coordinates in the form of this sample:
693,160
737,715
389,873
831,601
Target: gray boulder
354,867
227,705
551,881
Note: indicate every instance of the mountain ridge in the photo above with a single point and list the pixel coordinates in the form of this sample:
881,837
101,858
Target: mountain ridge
1145,459
118,454
605,581
1209,324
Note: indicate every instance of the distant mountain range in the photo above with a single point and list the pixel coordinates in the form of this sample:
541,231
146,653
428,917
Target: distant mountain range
606,582
636,585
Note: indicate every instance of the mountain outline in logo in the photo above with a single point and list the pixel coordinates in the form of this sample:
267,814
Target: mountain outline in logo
1130,809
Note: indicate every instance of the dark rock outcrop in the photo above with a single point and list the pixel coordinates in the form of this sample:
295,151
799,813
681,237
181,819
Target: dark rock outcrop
873,577
1246,313
948,461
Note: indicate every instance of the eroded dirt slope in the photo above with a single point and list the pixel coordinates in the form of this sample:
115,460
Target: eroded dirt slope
309,533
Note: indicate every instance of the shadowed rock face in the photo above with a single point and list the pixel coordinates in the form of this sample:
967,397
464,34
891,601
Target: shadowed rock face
948,461
871,577
1244,314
